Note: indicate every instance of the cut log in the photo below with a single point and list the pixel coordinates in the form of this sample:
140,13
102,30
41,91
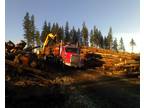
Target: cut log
35,72
27,68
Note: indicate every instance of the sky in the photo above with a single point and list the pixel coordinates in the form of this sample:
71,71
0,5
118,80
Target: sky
122,15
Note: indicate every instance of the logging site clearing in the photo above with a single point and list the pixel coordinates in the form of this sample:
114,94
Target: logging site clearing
67,76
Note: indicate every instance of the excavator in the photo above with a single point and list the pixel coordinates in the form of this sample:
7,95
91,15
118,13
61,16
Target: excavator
67,53
47,39
44,49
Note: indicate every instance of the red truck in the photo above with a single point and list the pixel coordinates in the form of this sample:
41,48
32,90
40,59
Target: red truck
69,54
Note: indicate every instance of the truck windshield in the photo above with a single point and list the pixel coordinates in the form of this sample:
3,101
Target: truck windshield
72,50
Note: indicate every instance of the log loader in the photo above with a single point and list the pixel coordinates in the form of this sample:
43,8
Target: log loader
67,53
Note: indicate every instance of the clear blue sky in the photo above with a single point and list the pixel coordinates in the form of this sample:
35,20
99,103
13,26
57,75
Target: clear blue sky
122,15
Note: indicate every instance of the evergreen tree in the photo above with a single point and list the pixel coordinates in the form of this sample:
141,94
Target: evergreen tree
105,44
74,36
100,39
85,34
92,38
55,28
79,36
37,37
132,44
32,31
60,34
27,29
67,36
71,33
49,27
96,37
110,38
121,45
115,45
45,31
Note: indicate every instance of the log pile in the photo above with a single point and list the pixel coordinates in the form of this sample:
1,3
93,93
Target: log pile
110,62
117,62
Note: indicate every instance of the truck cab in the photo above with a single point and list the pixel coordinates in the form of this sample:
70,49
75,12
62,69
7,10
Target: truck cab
70,56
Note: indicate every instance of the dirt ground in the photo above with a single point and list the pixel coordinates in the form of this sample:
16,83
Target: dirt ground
90,88
108,80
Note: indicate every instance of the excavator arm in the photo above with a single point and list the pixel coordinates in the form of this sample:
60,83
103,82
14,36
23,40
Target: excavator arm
47,39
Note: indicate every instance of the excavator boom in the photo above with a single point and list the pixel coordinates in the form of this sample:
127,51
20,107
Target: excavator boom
47,39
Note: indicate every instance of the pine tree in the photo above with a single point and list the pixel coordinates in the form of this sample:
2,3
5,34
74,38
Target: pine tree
71,33
121,45
85,34
79,36
49,27
100,39
96,37
27,29
60,34
74,36
115,45
105,44
132,44
110,38
91,38
37,37
45,31
32,31
67,36
102,42
55,28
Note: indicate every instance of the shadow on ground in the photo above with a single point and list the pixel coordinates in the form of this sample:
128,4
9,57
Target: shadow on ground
105,92
111,92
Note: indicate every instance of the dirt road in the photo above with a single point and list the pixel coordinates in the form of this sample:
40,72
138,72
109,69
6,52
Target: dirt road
77,89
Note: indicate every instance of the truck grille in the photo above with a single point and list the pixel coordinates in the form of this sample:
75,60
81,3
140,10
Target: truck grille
75,59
